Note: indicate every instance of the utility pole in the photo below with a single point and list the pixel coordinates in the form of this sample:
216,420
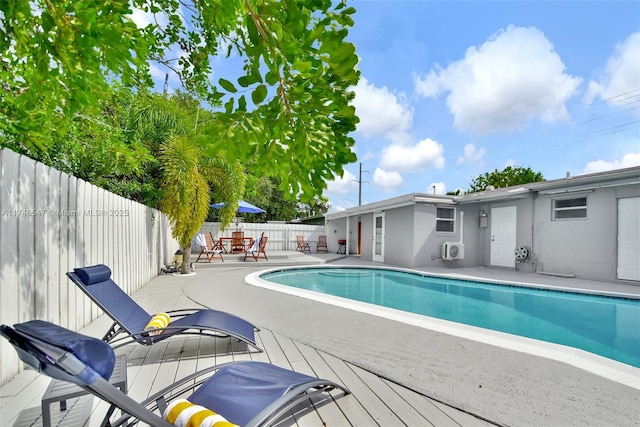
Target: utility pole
360,181
166,84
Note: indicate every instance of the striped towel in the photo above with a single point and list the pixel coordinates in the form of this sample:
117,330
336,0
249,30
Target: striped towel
182,413
157,323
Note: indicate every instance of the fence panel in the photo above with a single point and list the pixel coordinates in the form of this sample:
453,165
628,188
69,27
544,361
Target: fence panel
50,223
282,236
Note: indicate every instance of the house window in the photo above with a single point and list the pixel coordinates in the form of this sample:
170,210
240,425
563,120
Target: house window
445,219
570,208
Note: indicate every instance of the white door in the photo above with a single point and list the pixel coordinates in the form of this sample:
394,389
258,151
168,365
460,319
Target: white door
503,236
378,237
629,238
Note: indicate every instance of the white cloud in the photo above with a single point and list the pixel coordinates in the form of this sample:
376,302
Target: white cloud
628,160
142,18
387,180
514,77
621,75
472,155
382,113
342,186
426,153
333,209
367,156
436,188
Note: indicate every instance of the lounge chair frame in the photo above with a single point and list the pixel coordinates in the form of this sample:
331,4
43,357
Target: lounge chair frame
255,252
187,321
322,244
211,250
302,245
61,363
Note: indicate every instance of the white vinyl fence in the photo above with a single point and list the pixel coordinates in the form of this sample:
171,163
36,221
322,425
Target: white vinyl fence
50,223
282,236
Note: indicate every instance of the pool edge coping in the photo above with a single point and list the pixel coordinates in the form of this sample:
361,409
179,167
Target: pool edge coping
598,365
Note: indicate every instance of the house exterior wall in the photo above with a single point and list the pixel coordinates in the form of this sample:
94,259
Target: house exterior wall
399,236
584,247
478,240
366,239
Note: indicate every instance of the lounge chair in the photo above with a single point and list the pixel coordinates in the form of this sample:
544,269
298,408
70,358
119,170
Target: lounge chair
246,393
257,248
302,246
208,247
322,244
130,320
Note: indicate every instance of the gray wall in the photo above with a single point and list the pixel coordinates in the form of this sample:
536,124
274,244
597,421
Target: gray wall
482,238
399,236
584,247
411,239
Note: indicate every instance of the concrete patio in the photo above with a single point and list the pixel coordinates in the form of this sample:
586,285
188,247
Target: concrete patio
399,374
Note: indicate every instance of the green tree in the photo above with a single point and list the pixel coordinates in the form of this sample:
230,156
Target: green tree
288,107
507,177
187,177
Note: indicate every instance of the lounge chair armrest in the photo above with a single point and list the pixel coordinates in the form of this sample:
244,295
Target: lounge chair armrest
183,311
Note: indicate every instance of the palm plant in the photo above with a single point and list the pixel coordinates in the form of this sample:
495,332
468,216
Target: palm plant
186,191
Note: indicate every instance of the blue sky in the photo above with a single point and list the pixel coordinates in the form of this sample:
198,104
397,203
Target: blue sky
453,89
450,90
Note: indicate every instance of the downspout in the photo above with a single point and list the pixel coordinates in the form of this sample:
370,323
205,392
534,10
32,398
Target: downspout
461,226
346,247
534,259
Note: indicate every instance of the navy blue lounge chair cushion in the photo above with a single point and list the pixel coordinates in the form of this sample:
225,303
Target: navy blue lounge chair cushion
94,274
241,390
91,351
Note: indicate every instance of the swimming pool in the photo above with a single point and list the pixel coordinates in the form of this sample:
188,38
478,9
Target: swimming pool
601,325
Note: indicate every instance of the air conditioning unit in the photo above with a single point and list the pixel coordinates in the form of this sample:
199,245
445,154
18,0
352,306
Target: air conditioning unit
452,250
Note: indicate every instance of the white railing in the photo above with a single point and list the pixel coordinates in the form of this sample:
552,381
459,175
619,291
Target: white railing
50,223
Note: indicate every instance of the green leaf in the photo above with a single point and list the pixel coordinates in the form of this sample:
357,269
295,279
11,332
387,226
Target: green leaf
302,66
227,85
228,107
259,94
271,77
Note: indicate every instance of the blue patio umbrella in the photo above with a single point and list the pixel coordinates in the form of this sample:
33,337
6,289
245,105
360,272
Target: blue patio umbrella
243,207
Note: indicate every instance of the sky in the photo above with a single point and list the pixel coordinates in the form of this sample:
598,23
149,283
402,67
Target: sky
450,90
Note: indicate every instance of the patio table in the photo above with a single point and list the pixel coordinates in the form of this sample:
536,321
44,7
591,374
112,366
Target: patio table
247,242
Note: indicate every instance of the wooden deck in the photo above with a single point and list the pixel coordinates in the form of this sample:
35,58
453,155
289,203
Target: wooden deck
374,400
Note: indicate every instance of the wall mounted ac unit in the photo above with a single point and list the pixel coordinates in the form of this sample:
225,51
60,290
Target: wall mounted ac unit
452,250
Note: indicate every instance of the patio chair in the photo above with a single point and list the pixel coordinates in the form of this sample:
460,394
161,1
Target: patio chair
208,247
246,393
322,244
257,248
302,246
237,241
130,320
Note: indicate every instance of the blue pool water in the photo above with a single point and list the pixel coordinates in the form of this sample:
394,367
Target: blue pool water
606,326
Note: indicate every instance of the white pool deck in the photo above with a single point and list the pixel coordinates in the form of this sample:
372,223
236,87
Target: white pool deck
402,370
